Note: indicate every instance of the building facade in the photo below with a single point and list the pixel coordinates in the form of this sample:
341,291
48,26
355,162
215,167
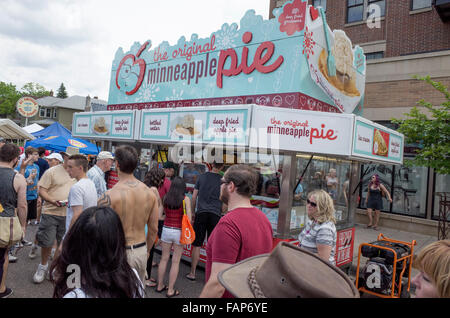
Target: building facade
53,109
401,38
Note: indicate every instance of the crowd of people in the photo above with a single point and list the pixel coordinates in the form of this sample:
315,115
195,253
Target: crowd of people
111,234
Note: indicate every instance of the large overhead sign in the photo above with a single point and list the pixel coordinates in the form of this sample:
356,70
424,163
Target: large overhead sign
263,62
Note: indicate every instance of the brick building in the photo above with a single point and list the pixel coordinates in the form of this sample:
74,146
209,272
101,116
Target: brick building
411,37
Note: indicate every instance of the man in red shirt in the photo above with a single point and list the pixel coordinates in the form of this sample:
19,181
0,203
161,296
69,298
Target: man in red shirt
243,232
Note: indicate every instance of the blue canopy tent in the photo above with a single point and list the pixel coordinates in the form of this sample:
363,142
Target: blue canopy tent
61,143
55,129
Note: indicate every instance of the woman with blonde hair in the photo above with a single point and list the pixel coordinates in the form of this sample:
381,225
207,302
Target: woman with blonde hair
319,234
433,261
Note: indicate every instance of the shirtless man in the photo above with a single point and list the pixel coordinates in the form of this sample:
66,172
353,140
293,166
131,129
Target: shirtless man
136,206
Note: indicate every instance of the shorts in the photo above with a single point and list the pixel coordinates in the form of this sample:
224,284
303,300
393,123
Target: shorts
170,235
32,209
51,228
204,222
375,205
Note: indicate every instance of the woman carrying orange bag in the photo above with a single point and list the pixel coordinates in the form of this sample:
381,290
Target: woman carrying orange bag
173,203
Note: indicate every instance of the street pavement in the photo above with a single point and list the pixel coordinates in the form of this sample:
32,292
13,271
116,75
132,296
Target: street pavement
20,274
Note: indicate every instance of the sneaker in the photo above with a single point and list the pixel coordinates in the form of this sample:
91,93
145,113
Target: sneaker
8,292
11,257
32,254
40,274
36,222
47,274
26,243
29,222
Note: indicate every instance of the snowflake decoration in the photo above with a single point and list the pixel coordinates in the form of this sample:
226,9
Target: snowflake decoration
308,43
147,93
227,36
175,95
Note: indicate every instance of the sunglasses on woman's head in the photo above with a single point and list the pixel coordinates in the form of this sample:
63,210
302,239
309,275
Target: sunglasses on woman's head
313,204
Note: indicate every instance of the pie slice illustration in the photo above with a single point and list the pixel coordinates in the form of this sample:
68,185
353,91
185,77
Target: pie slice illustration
345,79
379,144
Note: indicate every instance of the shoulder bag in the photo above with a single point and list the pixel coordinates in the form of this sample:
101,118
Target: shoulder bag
10,231
187,232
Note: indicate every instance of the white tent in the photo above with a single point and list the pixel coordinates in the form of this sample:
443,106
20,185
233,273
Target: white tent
33,128
10,130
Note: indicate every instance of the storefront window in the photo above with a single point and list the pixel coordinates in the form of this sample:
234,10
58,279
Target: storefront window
407,186
441,188
410,191
385,176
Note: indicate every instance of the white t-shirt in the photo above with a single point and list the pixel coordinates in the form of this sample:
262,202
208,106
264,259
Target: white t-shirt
82,193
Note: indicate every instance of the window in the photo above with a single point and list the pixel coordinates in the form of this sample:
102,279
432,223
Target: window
407,186
54,113
420,4
42,112
48,113
380,3
441,190
374,55
320,3
357,8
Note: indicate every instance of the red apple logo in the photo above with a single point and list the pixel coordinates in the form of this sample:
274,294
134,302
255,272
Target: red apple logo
128,69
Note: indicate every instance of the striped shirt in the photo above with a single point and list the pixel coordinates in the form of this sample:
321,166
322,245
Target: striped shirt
315,233
98,177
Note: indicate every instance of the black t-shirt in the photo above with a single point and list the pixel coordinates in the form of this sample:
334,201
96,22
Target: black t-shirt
208,186
43,166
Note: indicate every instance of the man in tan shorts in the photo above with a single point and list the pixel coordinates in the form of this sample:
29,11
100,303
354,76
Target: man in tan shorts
136,206
54,188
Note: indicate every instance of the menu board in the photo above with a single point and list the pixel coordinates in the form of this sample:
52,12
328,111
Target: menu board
104,125
373,141
216,125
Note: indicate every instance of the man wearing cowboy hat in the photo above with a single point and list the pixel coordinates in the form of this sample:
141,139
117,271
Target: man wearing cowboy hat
287,272
243,232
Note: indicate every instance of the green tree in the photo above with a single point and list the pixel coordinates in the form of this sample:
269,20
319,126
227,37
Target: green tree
34,90
433,134
62,91
8,99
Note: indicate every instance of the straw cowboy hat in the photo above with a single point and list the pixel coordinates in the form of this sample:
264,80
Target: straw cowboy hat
287,272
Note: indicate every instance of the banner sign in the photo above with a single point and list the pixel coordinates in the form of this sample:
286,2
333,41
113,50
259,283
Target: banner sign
104,125
373,141
218,125
305,131
264,62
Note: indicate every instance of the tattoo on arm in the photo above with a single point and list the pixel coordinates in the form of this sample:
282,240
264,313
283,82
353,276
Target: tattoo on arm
104,200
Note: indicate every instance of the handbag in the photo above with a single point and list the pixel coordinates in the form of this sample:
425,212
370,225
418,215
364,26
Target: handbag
187,231
10,231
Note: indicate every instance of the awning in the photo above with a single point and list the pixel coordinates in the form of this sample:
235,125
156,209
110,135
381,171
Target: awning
10,130
33,128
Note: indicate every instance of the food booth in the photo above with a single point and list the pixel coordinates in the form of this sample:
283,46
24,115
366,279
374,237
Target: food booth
264,94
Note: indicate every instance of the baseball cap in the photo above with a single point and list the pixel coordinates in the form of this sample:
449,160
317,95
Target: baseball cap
104,155
2,139
55,156
287,272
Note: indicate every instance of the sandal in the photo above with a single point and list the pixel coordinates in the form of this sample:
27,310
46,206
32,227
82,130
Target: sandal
190,278
175,293
368,226
151,282
160,290
375,228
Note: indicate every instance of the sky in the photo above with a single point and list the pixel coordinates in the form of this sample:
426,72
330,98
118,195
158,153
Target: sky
74,41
